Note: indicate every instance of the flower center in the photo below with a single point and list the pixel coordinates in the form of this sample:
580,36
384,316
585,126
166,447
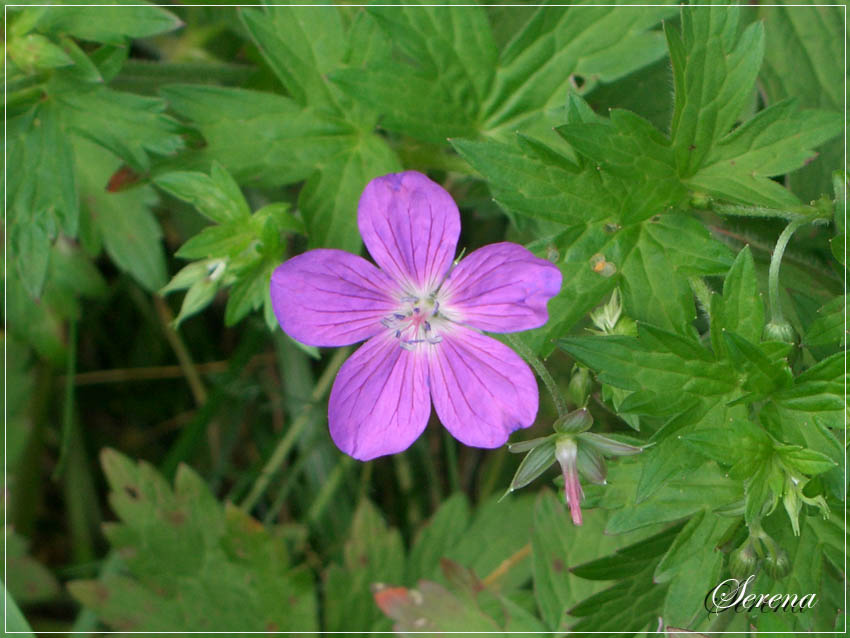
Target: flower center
417,321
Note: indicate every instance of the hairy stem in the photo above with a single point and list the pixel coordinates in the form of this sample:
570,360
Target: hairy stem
506,565
773,272
532,359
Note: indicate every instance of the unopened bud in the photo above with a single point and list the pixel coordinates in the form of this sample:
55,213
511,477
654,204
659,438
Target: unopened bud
576,421
580,384
779,331
743,562
777,564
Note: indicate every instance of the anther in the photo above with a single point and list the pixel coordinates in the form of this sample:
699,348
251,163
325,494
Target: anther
398,316
398,334
416,310
427,326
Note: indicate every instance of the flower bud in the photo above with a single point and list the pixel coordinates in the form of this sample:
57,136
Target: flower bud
743,562
777,564
779,331
580,384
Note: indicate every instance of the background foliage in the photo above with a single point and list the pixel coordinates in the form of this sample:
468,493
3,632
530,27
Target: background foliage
667,159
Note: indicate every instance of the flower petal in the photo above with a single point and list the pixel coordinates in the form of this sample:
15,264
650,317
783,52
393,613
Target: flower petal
379,403
410,226
330,297
482,390
502,288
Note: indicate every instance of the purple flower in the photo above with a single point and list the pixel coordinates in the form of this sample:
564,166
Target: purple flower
421,316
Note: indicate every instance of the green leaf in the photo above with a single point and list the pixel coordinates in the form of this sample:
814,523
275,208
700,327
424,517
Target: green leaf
42,199
218,197
656,360
373,554
629,147
808,462
632,604
536,68
440,533
109,24
328,200
28,580
453,56
534,180
741,308
558,545
190,563
301,45
692,566
689,490
828,328
714,69
803,59
763,375
130,232
778,140
34,52
258,137
131,126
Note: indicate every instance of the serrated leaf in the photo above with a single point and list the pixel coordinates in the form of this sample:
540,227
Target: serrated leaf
110,24
803,59
685,492
741,307
42,190
764,376
536,66
452,56
131,126
217,199
34,52
558,545
301,45
130,232
629,147
778,140
258,137
714,69
192,564
650,361
828,328
328,200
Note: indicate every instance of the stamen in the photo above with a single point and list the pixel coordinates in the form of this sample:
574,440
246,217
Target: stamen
427,326
398,316
398,334
416,310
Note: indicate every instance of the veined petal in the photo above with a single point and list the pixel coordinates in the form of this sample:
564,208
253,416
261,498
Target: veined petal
482,390
410,226
502,288
379,403
330,297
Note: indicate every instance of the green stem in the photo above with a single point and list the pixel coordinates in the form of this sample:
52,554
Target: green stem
68,406
773,272
293,434
517,344
328,488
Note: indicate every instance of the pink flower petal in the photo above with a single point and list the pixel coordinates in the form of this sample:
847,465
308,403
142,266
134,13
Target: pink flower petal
379,403
410,226
482,390
331,298
502,288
